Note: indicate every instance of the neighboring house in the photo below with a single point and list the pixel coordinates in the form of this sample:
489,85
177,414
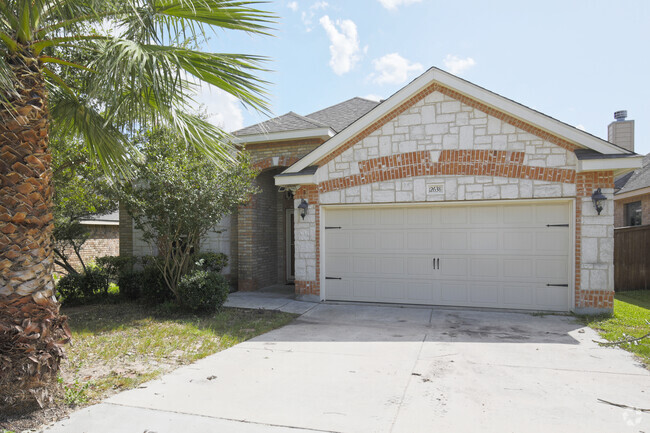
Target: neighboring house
104,239
444,194
632,197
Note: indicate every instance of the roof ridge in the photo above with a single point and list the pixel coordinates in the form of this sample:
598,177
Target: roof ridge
310,120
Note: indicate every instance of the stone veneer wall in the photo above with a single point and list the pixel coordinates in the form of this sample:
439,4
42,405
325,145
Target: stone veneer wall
436,138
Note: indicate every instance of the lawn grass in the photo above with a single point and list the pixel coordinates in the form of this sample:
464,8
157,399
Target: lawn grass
119,346
631,319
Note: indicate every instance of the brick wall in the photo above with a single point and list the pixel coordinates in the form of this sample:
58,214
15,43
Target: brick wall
104,240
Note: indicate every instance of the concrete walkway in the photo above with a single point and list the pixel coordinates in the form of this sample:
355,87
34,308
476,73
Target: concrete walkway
356,368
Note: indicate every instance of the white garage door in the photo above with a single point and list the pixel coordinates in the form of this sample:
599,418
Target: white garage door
500,256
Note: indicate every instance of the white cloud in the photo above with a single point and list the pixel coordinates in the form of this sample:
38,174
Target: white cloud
344,48
308,15
293,6
224,110
393,69
581,127
373,97
456,65
394,4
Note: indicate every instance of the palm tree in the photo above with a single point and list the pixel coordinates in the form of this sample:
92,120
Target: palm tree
96,68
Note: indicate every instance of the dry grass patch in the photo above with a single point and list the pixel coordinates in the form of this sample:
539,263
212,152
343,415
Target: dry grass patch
119,346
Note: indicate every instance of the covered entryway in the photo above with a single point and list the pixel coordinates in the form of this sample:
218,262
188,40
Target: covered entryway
480,255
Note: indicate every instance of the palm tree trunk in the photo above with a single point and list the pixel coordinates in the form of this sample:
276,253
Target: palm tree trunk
32,332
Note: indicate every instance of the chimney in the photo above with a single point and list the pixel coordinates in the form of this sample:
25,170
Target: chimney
621,131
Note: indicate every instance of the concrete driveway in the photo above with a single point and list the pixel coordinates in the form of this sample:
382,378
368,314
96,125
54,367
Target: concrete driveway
355,368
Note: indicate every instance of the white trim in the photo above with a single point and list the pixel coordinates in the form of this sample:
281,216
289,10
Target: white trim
324,133
473,91
633,193
629,164
99,223
287,244
303,179
571,202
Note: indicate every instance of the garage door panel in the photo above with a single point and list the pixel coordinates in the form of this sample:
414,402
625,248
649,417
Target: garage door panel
419,216
518,215
552,214
391,290
392,217
517,295
453,266
486,294
551,241
483,240
518,268
453,292
419,265
422,292
419,241
517,241
392,265
484,215
500,256
484,267
453,216
362,240
552,269
392,240
453,240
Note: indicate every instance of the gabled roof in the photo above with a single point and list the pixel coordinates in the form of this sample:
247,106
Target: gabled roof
324,123
491,101
638,179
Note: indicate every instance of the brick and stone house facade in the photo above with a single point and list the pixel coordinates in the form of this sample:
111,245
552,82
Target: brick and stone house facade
449,194
443,194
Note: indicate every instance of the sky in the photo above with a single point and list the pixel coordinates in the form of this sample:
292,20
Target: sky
578,61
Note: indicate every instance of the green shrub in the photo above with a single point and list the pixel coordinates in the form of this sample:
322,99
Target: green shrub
211,262
68,288
130,284
203,291
153,289
82,288
115,266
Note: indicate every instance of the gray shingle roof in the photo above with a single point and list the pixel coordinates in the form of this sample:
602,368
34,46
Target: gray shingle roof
336,117
639,179
340,116
287,122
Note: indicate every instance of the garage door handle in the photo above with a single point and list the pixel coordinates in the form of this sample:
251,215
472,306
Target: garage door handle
436,263
557,285
333,278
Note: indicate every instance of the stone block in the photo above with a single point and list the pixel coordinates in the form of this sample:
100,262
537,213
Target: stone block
383,196
589,250
409,119
407,146
510,191
462,119
450,142
450,107
493,125
606,250
556,161
492,192
428,113
366,194
436,128
466,137
445,118
371,142
360,154
434,97
542,191
419,190
404,196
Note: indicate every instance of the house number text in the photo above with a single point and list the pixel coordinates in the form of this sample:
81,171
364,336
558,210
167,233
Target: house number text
435,188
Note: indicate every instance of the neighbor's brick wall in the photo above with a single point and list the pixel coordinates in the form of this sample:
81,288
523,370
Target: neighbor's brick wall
104,240
478,154
125,232
619,210
295,149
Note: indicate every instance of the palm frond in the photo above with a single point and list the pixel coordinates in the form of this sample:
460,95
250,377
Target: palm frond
105,143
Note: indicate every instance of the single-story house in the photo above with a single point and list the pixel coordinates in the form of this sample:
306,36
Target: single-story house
443,194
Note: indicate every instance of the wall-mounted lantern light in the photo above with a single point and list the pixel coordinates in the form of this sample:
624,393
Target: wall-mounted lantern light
598,198
303,208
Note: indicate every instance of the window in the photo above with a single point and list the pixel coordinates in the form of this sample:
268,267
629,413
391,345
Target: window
633,214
